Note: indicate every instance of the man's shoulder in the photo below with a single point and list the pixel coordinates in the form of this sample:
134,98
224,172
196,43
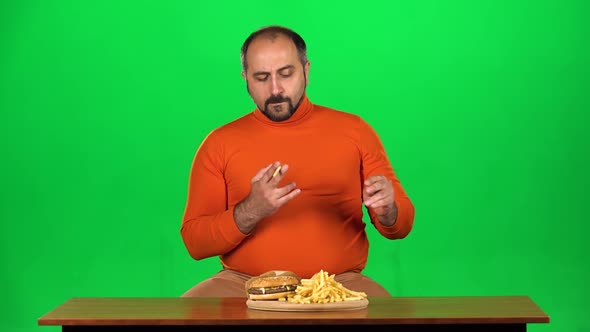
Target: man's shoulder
338,118
334,111
230,128
336,114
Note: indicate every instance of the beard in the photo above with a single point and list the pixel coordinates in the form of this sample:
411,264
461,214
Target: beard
267,108
278,117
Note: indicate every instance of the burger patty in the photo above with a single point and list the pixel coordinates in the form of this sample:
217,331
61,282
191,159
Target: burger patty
272,290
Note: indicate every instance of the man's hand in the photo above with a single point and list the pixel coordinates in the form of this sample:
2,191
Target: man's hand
265,197
378,195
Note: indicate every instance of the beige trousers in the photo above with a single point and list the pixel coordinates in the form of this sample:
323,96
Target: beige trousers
229,283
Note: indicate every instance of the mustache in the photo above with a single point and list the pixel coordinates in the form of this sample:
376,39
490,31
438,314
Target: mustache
276,99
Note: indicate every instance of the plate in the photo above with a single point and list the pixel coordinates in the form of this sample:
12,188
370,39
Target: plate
273,305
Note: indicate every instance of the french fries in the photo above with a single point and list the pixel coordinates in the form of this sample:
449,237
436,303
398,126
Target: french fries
277,171
322,288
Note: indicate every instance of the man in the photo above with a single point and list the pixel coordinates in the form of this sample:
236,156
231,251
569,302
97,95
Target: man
283,188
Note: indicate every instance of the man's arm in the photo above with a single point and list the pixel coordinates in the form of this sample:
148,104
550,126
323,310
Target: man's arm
398,222
389,207
208,227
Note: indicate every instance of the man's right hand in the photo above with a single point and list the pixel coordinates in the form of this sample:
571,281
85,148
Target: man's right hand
265,197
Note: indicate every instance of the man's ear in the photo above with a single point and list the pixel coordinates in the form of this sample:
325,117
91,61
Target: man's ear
243,74
306,69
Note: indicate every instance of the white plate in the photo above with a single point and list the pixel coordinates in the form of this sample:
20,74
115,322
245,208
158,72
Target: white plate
274,305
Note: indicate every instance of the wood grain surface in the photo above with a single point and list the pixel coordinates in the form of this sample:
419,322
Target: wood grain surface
234,311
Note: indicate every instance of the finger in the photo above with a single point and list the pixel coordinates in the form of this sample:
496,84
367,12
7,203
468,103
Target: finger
372,179
378,197
270,171
280,192
382,185
384,202
366,196
289,196
279,173
374,187
277,170
260,173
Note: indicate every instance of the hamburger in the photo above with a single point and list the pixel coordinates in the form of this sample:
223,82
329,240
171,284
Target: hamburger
272,285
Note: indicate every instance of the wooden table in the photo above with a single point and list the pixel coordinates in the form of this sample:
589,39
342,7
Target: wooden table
473,313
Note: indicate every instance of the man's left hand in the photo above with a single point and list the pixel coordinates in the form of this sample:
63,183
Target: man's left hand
379,196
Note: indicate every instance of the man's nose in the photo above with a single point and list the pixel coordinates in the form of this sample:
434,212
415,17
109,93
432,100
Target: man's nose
277,88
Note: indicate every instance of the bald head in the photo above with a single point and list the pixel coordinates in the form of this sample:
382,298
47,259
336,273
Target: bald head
272,33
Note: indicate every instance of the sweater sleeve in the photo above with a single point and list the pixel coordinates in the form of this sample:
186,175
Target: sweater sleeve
376,162
208,226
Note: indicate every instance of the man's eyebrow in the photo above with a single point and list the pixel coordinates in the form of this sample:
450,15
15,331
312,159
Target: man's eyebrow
286,67
268,73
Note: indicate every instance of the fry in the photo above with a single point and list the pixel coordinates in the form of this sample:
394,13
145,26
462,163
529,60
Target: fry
322,288
277,171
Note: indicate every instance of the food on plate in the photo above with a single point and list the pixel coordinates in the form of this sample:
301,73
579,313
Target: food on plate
322,288
286,286
272,285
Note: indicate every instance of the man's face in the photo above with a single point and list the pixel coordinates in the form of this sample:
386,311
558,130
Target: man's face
275,77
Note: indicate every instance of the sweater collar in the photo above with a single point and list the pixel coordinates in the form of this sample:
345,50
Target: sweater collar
300,114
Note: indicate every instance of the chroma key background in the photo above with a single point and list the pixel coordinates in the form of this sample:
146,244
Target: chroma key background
482,106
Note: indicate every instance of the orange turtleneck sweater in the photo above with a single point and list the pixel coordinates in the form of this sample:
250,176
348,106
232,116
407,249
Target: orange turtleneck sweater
329,154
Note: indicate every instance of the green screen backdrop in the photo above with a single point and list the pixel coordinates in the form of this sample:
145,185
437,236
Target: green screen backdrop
482,107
